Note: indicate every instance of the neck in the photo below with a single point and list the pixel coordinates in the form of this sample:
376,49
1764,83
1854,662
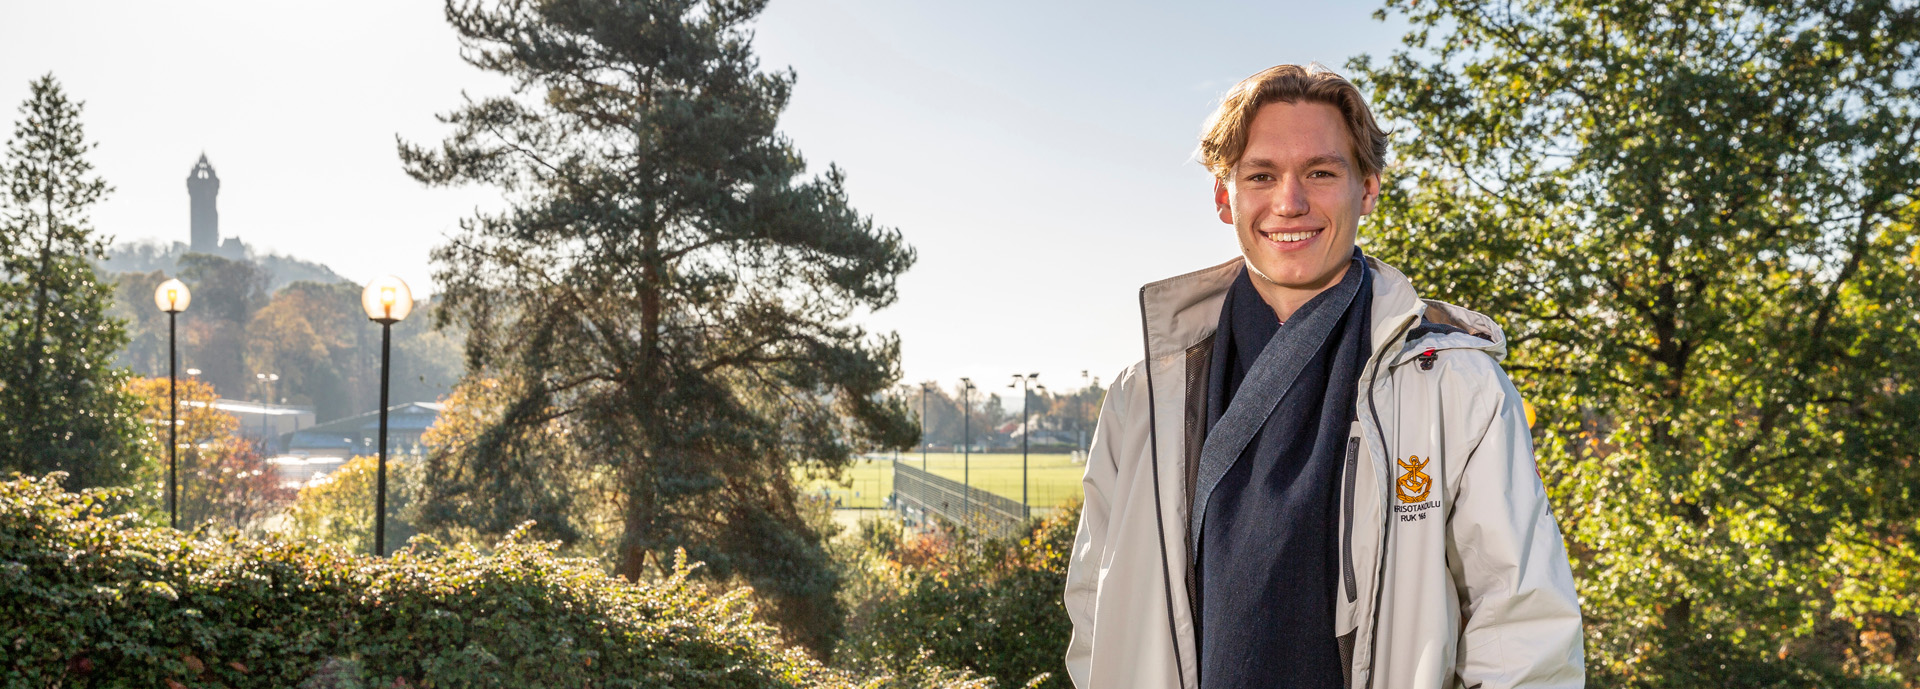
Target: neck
1285,300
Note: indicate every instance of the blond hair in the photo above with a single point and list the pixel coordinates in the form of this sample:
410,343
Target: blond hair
1224,137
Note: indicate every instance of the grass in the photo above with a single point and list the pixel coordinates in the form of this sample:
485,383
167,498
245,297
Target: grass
1051,478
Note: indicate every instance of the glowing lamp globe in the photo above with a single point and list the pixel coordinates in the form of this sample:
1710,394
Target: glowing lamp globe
387,300
172,296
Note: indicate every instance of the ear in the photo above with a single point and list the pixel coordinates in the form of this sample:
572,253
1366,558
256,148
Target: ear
1370,194
1223,203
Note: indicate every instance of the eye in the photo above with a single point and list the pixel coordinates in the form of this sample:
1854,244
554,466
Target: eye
1322,174
1260,177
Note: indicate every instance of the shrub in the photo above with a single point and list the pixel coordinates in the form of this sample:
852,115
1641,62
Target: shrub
992,606
338,507
91,596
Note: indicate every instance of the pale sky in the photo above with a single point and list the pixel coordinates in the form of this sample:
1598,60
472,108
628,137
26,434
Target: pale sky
1038,155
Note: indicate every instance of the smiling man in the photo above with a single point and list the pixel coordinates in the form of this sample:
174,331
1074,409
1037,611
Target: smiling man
1315,478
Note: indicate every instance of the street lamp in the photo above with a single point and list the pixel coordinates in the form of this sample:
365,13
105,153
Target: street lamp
172,297
266,381
1025,432
924,389
966,447
387,301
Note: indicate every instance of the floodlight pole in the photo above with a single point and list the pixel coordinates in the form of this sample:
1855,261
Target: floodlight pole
924,388
966,449
1026,398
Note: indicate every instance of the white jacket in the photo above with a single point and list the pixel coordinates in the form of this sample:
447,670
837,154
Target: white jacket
1453,572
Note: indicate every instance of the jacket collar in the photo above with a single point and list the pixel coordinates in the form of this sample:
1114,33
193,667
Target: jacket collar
1180,311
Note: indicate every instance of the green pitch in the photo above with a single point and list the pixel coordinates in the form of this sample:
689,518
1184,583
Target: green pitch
1051,479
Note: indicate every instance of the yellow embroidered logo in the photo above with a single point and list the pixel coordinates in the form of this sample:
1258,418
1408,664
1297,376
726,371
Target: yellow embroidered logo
1413,485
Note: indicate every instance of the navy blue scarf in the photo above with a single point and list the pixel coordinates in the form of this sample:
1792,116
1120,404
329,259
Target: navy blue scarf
1280,400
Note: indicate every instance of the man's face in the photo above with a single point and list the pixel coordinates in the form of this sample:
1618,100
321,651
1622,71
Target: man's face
1295,200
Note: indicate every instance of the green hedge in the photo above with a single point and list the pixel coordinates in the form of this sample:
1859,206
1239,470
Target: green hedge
93,597
989,605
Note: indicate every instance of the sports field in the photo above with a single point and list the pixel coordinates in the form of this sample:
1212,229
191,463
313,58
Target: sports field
1051,479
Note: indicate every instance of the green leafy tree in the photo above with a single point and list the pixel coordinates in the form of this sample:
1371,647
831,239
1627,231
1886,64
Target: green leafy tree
988,605
941,423
213,332
315,337
225,480
668,295
338,507
1077,411
62,406
1695,221
146,350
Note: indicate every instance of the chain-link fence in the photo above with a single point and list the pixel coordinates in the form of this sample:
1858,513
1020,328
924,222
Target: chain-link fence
978,510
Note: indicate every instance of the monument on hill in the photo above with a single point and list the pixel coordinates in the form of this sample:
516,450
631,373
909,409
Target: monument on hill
203,186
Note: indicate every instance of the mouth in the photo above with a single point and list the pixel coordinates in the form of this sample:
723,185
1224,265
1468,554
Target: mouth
1287,239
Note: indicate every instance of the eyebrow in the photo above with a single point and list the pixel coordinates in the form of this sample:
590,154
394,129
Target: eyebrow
1334,160
1338,161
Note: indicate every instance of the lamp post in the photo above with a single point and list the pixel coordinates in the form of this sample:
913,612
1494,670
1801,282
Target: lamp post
966,447
924,389
1080,410
1025,432
266,381
172,297
387,301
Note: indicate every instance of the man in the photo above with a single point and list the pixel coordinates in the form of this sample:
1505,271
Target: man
1315,478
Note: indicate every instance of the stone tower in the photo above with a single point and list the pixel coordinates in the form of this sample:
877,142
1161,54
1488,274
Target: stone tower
203,186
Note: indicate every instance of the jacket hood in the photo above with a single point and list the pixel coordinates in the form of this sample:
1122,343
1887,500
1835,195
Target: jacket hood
1181,311
1473,330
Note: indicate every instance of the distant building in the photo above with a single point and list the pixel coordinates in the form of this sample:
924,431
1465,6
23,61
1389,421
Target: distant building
356,435
271,424
316,451
203,186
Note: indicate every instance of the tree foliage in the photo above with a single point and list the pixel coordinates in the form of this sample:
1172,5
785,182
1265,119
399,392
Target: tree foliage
339,507
61,403
213,331
313,335
946,598
224,478
1696,222
668,297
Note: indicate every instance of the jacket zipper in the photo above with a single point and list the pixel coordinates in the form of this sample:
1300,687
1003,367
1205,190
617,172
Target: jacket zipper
1160,529
1386,500
1346,540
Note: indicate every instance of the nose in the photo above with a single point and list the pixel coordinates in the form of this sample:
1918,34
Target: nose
1290,199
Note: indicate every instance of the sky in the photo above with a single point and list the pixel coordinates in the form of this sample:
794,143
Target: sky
1038,155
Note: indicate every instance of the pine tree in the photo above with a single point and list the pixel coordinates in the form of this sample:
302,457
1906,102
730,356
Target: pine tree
62,405
662,315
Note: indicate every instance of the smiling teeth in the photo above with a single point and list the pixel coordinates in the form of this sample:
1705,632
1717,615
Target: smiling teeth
1289,236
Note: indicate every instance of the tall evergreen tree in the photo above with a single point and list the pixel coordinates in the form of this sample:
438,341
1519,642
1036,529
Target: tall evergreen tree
62,404
1696,221
667,300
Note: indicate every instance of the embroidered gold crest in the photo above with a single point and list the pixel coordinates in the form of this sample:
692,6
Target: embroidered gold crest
1414,485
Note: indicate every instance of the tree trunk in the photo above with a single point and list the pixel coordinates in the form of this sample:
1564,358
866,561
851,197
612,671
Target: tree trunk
637,524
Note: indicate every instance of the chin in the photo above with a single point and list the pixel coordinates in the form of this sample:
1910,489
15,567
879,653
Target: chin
1297,276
